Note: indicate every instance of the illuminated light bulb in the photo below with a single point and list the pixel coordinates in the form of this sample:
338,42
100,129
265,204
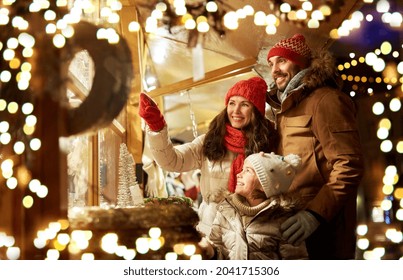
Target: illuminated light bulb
211,7
271,29
399,147
130,254
178,248
363,243
157,14
343,31
59,41
114,18
27,108
249,11
142,245
317,15
362,230
5,138
271,19
4,19
154,244
12,183
396,20
369,17
379,65
352,93
399,214
378,108
161,6
196,257
171,256
326,10
8,54
354,62
231,20
27,52
386,123
13,253
39,243
3,104
42,191
19,147
395,104
4,126
106,12
203,27
113,38
285,8
23,85
120,250
28,201
386,146
12,107
26,40
181,10
386,204
51,28
382,6
63,238
68,32
240,13
382,133
116,5
52,254
154,232
12,43
190,24
34,185
35,144
259,18
87,257
313,23
307,6
134,26
15,63
387,189
28,130
301,14
49,15
189,249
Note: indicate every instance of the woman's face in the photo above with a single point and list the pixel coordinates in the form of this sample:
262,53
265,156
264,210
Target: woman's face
239,111
247,180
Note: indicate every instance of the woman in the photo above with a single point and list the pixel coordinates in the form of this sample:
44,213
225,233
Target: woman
239,130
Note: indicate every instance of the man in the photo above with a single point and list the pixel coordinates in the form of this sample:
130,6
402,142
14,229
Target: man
317,121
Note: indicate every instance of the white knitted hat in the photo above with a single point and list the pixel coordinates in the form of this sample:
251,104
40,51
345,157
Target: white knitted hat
274,172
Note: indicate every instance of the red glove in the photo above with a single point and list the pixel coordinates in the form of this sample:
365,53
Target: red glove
149,111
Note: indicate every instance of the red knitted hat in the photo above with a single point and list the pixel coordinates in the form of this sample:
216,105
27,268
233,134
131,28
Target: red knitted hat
254,89
294,49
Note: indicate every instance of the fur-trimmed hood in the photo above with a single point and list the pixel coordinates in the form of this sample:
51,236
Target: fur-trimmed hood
322,72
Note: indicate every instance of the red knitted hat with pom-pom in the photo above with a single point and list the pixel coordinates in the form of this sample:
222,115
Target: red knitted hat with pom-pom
254,89
294,49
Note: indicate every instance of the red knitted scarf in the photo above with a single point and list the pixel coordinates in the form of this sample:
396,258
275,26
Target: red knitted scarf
235,142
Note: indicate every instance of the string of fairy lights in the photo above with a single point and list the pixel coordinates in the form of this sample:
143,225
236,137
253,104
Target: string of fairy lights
17,108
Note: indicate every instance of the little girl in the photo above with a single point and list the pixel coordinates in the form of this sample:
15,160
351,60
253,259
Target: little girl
247,223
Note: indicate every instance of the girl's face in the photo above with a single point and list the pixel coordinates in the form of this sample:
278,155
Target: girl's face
247,180
239,111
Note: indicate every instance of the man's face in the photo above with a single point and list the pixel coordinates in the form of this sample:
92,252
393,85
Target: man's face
282,71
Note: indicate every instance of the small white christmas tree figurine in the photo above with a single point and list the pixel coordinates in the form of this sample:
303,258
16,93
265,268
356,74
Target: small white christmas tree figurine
127,180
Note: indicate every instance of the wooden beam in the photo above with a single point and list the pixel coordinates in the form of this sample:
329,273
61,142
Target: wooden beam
211,76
